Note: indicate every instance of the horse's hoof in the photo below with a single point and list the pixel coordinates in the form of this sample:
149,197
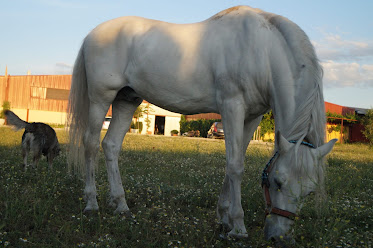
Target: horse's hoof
125,213
90,209
122,207
223,220
226,226
90,213
237,235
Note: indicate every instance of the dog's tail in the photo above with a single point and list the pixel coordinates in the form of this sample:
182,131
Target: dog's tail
14,120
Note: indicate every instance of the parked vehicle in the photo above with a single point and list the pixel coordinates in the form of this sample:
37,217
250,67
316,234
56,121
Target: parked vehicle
216,131
106,123
192,134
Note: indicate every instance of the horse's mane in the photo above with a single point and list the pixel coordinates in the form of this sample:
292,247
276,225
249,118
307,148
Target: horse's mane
309,119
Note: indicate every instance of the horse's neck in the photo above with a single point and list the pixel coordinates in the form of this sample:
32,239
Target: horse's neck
283,107
299,113
288,106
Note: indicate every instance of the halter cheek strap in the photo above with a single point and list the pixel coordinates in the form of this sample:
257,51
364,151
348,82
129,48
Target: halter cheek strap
265,185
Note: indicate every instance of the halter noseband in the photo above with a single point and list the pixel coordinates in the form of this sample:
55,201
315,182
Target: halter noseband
265,185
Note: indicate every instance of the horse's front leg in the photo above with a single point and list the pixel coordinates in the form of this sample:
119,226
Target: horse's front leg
112,144
91,142
224,200
232,111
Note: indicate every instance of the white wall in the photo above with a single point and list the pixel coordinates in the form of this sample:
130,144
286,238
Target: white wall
172,120
171,123
41,116
152,123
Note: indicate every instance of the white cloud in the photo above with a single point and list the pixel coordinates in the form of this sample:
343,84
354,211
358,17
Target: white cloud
346,63
63,68
334,47
337,74
64,65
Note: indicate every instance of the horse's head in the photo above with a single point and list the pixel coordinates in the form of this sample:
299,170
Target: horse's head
296,170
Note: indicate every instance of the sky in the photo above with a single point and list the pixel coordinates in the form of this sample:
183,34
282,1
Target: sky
43,36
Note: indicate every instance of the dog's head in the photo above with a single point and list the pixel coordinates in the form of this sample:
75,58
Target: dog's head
56,150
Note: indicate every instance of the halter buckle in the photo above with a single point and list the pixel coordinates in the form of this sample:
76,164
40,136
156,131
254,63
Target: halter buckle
265,185
265,179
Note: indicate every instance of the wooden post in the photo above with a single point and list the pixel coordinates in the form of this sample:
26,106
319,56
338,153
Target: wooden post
341,131
6,84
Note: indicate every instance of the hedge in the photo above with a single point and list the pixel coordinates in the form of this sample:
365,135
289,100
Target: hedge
201,124
267,125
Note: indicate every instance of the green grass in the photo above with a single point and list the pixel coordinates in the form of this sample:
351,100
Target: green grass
172,186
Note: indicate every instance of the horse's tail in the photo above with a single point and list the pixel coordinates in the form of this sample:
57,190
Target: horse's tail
78,109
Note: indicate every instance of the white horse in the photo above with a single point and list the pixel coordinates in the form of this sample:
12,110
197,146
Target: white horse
240,63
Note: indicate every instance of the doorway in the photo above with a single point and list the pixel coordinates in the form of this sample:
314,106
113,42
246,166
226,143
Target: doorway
159,125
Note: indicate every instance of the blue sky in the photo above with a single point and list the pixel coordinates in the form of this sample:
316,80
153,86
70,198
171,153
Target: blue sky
44,36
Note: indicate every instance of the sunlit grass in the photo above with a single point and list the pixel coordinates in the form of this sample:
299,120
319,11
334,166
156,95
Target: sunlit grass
172,186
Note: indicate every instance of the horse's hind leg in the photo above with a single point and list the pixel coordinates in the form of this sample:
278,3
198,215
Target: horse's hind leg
122,116
91,140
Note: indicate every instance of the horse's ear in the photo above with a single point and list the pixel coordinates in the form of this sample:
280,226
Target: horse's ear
326,148
282,144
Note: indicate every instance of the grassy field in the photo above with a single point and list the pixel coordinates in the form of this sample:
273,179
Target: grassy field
172,187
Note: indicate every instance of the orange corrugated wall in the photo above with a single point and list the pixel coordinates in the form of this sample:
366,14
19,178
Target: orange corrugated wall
207,116
338,109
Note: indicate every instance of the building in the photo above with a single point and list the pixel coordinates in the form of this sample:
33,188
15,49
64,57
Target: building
341,127
44,98
156,120
41,98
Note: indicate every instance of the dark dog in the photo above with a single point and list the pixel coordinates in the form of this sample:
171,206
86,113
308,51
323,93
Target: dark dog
38,137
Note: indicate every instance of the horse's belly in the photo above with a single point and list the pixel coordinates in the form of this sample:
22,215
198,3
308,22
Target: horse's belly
176,96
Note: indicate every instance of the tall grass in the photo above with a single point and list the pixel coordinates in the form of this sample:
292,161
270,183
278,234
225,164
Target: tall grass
172,186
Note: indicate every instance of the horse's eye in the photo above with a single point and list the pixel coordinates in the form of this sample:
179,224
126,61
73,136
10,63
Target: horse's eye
278,183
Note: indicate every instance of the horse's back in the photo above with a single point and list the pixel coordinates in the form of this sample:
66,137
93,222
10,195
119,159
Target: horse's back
189,60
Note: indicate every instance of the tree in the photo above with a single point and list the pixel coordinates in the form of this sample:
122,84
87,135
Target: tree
147,110
5,106
367,121
137,114
267,125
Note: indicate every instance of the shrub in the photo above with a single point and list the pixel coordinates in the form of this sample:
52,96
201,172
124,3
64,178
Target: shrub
139,125
267,125
367,121
200,125
6,106
133,125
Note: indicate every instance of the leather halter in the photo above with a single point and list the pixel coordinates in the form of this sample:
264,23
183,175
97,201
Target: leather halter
265,185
